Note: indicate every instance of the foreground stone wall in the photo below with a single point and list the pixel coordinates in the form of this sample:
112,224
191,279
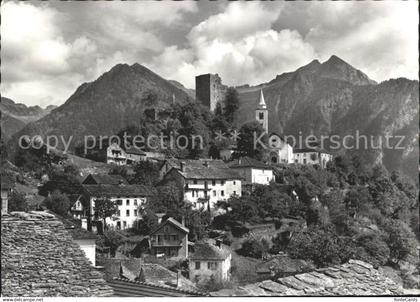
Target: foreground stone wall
39,258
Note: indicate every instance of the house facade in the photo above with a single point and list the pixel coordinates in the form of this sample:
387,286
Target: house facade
170,239
253,171
312,156
280,151
116,155
210,262
129,199
203,183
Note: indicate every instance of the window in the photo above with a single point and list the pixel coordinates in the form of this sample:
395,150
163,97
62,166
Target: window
222,182
119,202
222,193
135,202
214,193
127,213
234,192
192,193
261,115
213,182
234,182
135,213
127,202
166,229
124,224
118,225
197,265
195,181
212,265
174,237
118,213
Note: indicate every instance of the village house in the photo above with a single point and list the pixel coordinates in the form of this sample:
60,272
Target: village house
128,198
104,179
312,155
252,171
204,182
210,262
116,155
170,238
280,151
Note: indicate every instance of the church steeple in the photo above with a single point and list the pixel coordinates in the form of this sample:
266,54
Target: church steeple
261,113
261,104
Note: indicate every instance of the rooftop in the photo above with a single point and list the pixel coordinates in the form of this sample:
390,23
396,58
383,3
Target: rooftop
204,169
39,258
355,278
118,190
206,251
248,162
105,179
172,221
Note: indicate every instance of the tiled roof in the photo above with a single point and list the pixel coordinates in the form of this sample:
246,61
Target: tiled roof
206,169
118,190
39,258
153,273
128,288
246,162
206,251
355,278
134,150
174,223
105,179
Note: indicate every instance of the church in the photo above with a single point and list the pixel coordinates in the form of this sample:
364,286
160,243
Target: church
279,150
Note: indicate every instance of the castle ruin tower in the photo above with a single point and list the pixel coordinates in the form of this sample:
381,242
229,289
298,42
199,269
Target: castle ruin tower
261,113
209,90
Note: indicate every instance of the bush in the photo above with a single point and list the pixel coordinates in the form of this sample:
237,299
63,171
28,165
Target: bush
255,248
17,202
58,203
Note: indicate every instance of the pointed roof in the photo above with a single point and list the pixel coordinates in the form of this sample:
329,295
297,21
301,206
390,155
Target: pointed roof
261,104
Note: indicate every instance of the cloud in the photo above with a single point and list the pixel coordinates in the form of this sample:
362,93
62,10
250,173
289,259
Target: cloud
238,44
50,48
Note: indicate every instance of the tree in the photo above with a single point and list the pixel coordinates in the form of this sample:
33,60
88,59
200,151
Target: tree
146,173
372,249
231,103
105,208
248,143
17,202
58,203
113,239
254,247
400,240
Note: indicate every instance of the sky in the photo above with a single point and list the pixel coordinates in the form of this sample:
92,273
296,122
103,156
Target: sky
49,48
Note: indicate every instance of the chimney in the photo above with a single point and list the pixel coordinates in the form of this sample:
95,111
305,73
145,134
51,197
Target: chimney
182,166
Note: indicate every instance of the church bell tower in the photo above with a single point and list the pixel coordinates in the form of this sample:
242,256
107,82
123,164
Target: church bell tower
261,113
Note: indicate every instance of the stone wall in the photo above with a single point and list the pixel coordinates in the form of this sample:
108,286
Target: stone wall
209,90
39,258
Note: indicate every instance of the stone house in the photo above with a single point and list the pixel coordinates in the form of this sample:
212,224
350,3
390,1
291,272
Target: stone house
40,259
127,197
116,155
204,182
312,156
170,238
253,171
280,151
210,262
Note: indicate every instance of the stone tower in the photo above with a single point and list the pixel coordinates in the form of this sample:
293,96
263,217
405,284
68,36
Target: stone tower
209,90
261,113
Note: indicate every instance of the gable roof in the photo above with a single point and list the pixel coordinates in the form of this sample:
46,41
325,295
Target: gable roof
105,179
355,278
248,162
128,288
206,251
119,190
205,169
134,150
39,258
172,221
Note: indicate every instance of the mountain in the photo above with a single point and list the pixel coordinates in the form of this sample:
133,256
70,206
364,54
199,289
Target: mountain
334,98
14,116
103,107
